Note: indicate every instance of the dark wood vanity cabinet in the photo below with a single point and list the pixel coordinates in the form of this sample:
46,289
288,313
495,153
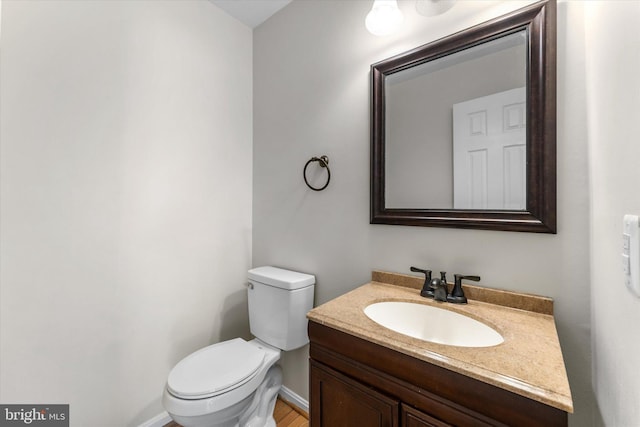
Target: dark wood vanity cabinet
411,417
356,383
341,401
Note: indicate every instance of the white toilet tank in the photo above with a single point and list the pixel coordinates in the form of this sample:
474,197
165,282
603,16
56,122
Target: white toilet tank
279,301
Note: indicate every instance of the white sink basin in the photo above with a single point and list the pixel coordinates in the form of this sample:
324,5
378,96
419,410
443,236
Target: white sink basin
433,324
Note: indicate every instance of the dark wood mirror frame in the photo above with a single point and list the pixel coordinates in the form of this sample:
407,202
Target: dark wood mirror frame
539,20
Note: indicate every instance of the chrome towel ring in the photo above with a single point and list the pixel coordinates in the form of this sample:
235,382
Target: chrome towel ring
324,162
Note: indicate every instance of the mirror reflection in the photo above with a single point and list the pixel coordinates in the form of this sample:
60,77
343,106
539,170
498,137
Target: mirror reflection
456,129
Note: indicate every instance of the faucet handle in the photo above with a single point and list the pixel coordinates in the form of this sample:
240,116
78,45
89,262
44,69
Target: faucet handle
426,291
460,277
457,294
420,270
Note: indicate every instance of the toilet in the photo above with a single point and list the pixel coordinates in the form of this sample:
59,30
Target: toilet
235,383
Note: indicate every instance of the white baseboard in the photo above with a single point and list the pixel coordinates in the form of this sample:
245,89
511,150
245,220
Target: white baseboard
292,397
158,421
286,393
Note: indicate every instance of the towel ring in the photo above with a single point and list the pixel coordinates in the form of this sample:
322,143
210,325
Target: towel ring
324,162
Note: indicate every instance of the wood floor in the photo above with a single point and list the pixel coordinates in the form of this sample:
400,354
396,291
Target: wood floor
285,414
288,415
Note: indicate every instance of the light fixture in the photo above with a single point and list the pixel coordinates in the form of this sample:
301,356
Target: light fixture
384,18
433,7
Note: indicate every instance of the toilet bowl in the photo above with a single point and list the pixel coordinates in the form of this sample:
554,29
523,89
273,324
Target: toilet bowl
235,383
217,384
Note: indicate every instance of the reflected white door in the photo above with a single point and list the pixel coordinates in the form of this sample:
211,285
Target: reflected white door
489,152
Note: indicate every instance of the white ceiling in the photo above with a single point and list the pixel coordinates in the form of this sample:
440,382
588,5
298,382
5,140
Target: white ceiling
251,12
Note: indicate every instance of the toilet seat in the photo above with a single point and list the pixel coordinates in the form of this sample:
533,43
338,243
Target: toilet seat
224,399
215,369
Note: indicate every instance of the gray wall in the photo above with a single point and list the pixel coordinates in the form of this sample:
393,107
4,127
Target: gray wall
125,198
311,97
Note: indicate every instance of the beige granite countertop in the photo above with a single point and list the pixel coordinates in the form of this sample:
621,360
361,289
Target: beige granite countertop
529,362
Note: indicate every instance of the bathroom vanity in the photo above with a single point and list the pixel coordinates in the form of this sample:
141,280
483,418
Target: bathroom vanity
363,374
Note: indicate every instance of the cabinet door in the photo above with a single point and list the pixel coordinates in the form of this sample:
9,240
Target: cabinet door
413,418
338,401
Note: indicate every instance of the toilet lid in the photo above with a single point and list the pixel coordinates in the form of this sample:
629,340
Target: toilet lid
214,369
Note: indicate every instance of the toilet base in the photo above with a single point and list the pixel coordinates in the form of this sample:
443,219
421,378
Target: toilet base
226,418
260,412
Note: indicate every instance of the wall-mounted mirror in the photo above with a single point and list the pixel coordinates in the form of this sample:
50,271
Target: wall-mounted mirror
463,129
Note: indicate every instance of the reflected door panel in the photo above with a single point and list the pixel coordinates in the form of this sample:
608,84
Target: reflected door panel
489,152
